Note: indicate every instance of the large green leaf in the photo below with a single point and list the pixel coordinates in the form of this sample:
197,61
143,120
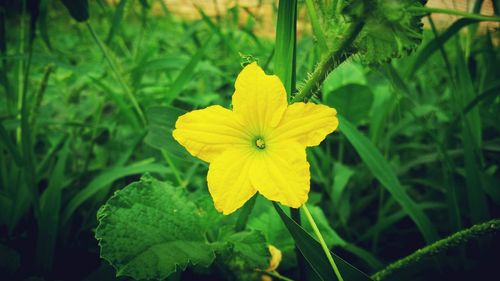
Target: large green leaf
149,229
386,176
313,253
390,30
352,101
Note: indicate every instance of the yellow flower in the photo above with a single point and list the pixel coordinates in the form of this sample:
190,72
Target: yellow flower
259,145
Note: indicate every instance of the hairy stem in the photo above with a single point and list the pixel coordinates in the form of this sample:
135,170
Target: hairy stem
329,63
437,247
453,12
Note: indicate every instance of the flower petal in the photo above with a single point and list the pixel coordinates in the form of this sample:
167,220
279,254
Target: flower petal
259,98
206,133
229,181
307,123
281,173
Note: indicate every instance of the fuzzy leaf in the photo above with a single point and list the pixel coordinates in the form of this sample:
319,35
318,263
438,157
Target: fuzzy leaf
390,30
247,250
149,229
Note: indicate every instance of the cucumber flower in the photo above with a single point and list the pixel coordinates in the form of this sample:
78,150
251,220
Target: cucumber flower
259,145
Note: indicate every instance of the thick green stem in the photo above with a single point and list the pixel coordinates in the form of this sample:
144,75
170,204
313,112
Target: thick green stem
329,63
453,12
322,242
117,75
437,247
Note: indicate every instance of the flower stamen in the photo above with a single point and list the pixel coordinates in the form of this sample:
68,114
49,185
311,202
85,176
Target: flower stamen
260,143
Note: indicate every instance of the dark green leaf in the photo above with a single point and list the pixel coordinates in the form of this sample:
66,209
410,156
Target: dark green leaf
161,123
78,9
313,253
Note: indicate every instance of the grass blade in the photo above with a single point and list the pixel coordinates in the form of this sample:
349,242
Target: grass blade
386,176
187,72
436,43
316,27
50,204
117,18
311,250
284,58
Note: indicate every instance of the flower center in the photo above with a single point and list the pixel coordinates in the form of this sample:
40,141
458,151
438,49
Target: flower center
260,143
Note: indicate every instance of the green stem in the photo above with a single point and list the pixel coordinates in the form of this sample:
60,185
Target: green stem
117,75
322,242
453,12
329,63
318,32
437,247
276,275
174,169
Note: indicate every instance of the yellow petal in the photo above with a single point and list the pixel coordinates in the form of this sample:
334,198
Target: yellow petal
206,133
276,257
259,98
281,173
229,181
307,123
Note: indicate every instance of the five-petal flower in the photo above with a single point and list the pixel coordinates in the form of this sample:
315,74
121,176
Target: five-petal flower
259,145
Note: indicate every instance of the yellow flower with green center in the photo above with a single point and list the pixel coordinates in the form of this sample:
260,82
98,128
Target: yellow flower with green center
259,145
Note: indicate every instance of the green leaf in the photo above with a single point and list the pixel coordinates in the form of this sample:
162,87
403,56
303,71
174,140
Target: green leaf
386,176
352,101
42,23
284,58
78,9
269,223
117,18
105,179
331,236
390,30
161,123
346,73
313,253
50,205
342,174
150,229
248,250
187,72
436,43
472,141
